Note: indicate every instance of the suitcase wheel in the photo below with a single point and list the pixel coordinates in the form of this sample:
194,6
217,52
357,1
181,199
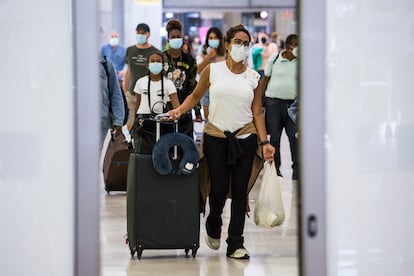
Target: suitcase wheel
132,253
193,251
139,253
108,187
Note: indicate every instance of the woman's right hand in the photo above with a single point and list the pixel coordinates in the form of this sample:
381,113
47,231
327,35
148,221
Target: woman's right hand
175,114
211,54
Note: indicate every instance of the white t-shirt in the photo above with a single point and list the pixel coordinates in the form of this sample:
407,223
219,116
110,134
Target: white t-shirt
157,102
231,96
283,78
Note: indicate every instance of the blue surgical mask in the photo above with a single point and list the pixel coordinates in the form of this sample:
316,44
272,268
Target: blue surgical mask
176,43
213,43
155,67
141,38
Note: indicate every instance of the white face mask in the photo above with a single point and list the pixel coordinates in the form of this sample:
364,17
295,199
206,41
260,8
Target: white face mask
295,51
113,41
238,52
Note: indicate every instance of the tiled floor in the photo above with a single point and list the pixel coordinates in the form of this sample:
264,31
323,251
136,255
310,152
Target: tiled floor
273,251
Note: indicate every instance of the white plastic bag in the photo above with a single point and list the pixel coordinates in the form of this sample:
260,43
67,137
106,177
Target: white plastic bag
269,211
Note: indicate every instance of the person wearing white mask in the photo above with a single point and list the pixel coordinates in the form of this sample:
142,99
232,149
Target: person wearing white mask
136,67
115,53
279,87
211,51
234,140
181,69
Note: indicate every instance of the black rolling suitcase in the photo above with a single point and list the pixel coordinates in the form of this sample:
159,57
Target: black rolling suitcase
115,165
163,211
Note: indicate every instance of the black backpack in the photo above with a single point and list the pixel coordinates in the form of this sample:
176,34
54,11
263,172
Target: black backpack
104,63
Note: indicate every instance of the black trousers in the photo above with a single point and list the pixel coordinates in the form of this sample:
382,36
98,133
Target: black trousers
216,152
277,119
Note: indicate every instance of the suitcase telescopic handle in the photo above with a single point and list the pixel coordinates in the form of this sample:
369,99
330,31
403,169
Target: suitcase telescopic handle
162,116
159,118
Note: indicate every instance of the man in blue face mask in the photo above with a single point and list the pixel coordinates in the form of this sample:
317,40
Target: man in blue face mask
136,66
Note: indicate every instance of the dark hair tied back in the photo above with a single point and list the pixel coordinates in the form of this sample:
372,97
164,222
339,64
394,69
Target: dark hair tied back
235,29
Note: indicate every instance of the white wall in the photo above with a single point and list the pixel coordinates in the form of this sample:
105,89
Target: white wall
49,145
37,141
370,132
357,64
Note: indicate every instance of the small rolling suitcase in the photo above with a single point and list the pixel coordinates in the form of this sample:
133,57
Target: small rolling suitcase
115,166
163,211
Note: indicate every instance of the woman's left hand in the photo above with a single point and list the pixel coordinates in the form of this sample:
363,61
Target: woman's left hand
268,152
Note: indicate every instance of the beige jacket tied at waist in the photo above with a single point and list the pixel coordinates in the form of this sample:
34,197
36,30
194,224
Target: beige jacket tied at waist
204,176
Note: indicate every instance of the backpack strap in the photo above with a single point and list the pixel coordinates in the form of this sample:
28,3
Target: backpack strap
104,63
149,93
274,61
266,80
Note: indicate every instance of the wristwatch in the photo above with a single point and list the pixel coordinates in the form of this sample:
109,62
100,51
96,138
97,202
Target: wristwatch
265,142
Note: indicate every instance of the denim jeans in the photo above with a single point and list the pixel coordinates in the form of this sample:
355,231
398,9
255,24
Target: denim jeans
277,119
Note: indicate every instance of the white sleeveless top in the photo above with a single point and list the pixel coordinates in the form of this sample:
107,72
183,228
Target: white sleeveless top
231,97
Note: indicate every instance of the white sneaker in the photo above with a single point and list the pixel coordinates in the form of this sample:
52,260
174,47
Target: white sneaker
212,243
240,253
